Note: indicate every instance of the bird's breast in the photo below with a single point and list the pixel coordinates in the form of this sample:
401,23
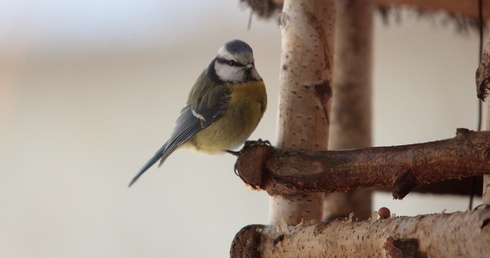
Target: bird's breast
246,106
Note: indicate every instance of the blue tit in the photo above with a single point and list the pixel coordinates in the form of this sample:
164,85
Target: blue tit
223,108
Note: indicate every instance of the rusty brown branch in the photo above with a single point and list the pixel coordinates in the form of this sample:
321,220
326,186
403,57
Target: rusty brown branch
401,167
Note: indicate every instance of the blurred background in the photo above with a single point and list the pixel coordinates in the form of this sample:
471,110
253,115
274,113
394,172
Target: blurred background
89,90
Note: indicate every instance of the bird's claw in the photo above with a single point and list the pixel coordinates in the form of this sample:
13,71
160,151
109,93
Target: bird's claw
247,144
234,153
257,142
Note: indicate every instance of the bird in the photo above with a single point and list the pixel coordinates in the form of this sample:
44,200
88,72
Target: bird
223,107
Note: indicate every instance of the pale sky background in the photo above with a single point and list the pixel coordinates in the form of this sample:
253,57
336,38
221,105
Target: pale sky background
89,90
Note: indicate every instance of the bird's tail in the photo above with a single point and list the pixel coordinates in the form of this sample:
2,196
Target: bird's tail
159,154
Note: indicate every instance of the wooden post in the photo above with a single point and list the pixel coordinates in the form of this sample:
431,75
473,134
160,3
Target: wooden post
350,125
307,28
484,71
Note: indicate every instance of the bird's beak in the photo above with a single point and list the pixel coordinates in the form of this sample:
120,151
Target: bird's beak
249,66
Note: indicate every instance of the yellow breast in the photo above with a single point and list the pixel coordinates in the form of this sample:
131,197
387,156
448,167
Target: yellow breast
247,105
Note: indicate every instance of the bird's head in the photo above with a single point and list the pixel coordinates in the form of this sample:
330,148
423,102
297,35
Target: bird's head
235,63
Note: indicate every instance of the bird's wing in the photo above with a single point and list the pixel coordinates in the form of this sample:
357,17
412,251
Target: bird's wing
186,127
212,105
188,124
194,117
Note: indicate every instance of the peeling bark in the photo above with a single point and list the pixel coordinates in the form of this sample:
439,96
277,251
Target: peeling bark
460,234
401,167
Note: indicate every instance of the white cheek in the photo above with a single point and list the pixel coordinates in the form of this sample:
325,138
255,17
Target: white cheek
228,73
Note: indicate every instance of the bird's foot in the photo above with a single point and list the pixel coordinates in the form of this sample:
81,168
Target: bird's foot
249,144
246,145
234,153
257,142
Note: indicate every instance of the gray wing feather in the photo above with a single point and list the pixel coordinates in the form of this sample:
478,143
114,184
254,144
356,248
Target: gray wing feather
210,103
186,127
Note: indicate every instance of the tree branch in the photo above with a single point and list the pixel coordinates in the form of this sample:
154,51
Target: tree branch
460,234
467,9
401,167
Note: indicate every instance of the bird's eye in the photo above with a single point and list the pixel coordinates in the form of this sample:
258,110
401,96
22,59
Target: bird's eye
232,63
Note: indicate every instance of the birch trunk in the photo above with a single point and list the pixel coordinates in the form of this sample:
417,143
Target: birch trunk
350,125
460,234
483,86
307,28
